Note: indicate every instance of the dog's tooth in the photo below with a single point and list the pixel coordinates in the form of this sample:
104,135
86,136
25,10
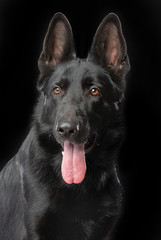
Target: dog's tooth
78,127
63,153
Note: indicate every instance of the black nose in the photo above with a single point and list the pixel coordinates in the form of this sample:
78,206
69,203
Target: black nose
67,129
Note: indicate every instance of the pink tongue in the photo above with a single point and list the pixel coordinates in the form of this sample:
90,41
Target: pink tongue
73,165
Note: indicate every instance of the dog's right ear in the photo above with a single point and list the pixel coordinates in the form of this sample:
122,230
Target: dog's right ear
58,44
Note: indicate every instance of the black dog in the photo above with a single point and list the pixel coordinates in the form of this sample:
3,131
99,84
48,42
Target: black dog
62,184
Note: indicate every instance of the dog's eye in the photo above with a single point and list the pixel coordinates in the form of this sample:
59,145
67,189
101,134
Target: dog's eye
95,91
57,90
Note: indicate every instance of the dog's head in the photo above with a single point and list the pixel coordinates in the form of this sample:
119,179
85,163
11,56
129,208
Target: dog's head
79,102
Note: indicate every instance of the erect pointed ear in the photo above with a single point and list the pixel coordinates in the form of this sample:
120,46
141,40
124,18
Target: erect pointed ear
58,43
109,46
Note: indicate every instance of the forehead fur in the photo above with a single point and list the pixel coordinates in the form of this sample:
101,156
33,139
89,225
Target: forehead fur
78,70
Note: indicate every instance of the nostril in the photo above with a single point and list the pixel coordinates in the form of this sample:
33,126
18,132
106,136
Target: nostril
72,131
60,130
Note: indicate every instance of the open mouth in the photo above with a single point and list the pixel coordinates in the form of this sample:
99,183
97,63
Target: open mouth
74,163
88,144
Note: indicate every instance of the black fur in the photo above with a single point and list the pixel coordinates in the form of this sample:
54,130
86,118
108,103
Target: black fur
35,201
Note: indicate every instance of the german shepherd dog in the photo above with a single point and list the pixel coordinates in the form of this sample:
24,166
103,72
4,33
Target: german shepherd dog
62,184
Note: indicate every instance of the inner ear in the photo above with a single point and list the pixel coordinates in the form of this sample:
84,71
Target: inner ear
109,46
112,46
58,43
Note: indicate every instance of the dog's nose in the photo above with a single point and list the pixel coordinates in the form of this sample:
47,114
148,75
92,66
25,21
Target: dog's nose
67,129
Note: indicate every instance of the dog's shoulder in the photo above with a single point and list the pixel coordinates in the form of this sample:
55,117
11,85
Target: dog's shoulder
11,204
9,176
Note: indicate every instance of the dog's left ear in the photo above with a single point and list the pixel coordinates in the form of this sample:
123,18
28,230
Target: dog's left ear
109,46
58,44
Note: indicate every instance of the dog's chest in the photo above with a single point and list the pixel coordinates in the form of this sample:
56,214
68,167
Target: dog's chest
70,219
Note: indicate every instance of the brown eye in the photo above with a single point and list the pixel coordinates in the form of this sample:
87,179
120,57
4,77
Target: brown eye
57,90
95,92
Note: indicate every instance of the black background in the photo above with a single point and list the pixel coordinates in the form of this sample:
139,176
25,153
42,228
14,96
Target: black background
23,25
